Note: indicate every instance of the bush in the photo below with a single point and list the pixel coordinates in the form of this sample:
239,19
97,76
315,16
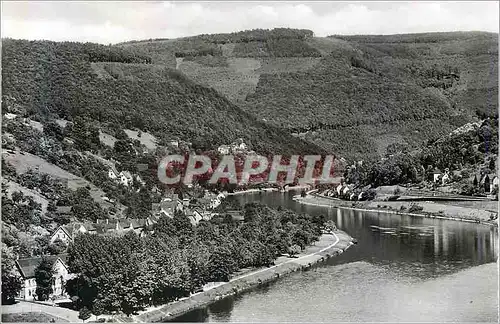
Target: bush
294,250
415,208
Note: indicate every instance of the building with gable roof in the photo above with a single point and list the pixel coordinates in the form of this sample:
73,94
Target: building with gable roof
26,270
66,233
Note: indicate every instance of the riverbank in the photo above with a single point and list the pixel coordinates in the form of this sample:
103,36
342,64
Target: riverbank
329,245
289,188
447,211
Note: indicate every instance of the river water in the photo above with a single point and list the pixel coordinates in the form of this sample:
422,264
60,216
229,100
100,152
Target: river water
403,269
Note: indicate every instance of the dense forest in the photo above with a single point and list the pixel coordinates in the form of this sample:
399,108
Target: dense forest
392,84
378,85
56,80
254,35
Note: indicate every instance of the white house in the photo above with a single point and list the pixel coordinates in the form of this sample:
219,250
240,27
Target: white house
168,205
26,270
112,173
339,189
495,182
445,178
62,233
194,216
126,178
139,180
66,233
224,149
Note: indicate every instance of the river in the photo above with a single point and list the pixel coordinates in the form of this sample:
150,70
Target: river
403,269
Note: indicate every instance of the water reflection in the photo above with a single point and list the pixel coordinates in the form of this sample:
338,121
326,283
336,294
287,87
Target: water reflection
392,249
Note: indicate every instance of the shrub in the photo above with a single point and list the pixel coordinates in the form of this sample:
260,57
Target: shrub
415,208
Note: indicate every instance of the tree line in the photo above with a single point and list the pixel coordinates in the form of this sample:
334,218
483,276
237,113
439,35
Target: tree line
178,259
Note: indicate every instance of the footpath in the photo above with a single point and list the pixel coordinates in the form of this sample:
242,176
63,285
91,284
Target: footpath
329,245
32,307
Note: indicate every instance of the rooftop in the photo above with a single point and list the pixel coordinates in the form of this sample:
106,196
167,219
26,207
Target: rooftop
27,266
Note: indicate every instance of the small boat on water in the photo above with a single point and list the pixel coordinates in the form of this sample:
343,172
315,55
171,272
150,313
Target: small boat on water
382,228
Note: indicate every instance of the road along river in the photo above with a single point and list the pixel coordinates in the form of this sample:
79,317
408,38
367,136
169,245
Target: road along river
402,269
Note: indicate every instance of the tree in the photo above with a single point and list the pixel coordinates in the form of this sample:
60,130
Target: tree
294,250
52,129
220,264
97,308
57,247
43,278
42,244
84,314
492,164
11,285
330,226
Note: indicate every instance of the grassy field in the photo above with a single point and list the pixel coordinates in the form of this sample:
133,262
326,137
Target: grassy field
235,81
13,187
32,317
23,161
145,138
107,139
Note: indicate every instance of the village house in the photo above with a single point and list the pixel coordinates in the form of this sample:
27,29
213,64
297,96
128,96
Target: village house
139,180
446,177
486,181
436,175
174,143
139,226
9,116
339,189
210,200
168,205
112,173
495,182
26,270
126,178
224,149
194,216
66,233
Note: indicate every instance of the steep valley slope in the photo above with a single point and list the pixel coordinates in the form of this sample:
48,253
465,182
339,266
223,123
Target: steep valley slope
353,95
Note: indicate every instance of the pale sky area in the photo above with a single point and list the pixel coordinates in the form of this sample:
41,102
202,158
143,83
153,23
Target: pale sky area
114,21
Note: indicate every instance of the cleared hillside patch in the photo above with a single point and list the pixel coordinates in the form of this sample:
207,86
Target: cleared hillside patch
23,161
325,45
287,64
107,139
144,138
37,197
235,81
